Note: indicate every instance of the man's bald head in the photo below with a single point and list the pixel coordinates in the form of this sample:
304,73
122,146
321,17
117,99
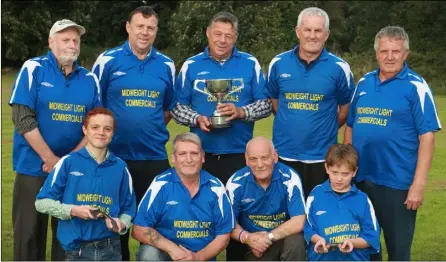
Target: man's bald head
259,141
261,157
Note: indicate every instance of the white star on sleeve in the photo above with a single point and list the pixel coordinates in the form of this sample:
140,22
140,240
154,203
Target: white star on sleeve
30,65
183,71
172,70
291,183
220,191
155,187
256,67
101,61
231,186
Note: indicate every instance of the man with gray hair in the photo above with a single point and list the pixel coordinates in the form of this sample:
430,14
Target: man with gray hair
391,124
221,62
268,204
310,90
185,214
50,98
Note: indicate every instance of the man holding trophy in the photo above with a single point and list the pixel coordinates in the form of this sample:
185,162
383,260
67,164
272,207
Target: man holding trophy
220,96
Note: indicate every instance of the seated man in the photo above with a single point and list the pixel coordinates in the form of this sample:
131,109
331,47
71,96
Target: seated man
341,222
268,203
185,214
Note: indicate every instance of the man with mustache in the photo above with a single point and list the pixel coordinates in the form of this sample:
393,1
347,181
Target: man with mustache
268,204
310,90
224,147
137,86
50,97
185,214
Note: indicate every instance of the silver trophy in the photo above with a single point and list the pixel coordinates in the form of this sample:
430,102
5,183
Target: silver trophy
220,89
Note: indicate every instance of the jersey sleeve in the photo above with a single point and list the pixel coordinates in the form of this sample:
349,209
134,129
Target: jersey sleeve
169,97
423,108
352,108
101,69
370,229
222,213
272,84
258,82
54,186
234,196
310,227
345,85
26,84
184,86
127,195
151,206
296,202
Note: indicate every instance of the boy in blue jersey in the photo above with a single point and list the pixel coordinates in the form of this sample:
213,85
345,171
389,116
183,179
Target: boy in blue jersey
185,214
50,98
341,222
391,123
268,206
137,85
224,147
87,185
310,89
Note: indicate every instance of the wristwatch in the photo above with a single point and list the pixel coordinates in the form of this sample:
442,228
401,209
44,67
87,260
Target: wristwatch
271,236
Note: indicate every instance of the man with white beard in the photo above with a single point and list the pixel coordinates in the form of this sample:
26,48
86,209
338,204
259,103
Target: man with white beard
50,98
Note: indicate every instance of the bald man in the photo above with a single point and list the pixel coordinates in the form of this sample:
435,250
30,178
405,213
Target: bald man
268,204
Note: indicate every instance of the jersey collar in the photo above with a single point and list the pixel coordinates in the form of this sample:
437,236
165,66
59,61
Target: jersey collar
128,51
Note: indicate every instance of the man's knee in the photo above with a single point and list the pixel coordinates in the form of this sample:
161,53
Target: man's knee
294,247
150,253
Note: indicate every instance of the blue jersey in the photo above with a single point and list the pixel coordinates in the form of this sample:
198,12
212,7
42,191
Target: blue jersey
191,222
306,124
138,92
78,179
387,118
248,84
337,218
60,104
257,209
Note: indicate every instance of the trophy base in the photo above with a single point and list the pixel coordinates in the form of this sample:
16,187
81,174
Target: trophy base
219,122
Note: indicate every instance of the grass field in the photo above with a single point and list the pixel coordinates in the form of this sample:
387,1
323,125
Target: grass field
430,237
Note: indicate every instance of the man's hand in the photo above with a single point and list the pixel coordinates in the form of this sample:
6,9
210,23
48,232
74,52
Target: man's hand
259,241
346,247
256,253
83,212
204,123
49,164
229,109
191,256
118,222
321,246
415,197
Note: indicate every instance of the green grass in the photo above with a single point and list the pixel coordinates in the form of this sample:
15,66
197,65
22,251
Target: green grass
430,229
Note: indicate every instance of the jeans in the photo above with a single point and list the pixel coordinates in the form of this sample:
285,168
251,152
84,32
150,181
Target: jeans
150,253
108,249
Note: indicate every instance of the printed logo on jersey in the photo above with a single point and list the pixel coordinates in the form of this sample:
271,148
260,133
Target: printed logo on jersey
46,84
172,203
75,173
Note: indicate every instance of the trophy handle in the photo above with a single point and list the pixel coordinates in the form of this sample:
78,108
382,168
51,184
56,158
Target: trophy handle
237,89
198,89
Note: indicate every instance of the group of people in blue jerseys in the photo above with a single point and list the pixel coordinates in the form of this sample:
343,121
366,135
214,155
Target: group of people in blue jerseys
90,149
